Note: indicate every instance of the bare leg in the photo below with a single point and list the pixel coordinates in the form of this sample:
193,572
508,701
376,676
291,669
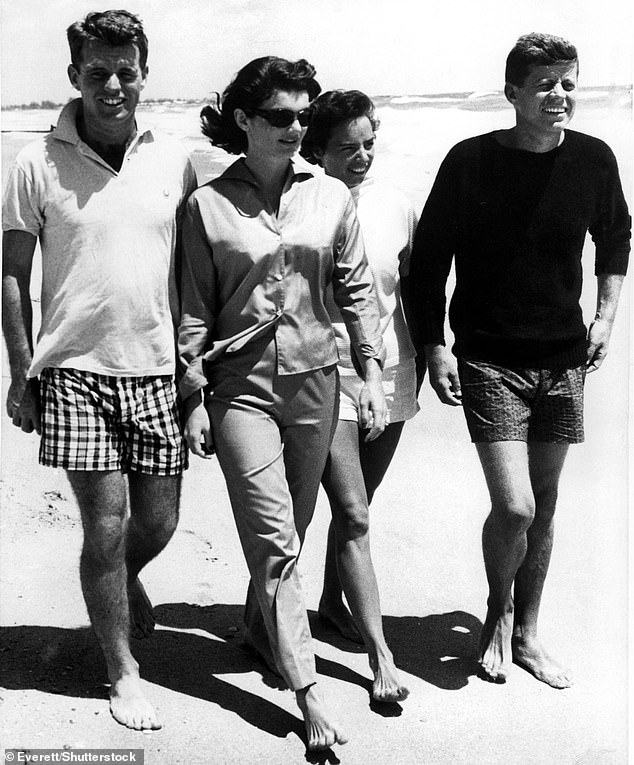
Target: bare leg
504,544
545,462
154,502
332,608
321,732
343,481
102,501
375,458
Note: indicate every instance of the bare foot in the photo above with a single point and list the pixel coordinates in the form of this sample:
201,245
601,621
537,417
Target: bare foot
141,613
321,732
529,654
494,651
337,615
129,706
386,686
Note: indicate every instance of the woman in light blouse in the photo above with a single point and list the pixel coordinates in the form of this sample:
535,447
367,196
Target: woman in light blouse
261,244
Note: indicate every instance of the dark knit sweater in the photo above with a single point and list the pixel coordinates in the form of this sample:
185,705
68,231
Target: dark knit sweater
516,221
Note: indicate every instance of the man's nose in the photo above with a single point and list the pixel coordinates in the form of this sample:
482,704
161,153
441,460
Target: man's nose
113,83
558,89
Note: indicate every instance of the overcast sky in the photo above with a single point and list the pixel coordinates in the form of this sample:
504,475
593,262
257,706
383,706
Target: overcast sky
380,46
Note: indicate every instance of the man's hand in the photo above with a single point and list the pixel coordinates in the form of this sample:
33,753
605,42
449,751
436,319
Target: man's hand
598,342
372,406
608,291
197,430
23,405
443,374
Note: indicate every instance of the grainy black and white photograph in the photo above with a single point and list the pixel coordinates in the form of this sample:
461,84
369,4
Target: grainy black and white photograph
316,422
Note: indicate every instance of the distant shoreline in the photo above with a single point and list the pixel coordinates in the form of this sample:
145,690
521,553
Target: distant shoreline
418,99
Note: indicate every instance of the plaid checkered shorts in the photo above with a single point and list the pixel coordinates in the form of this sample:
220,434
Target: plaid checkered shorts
99,422
522,404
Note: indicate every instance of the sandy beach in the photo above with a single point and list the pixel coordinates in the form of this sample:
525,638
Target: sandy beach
218,706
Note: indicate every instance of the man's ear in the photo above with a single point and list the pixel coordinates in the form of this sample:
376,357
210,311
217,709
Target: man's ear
144,75
510,91
73,76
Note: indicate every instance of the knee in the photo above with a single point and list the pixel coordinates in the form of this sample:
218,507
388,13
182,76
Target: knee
515,515
104,541
159,529
351,520
545,503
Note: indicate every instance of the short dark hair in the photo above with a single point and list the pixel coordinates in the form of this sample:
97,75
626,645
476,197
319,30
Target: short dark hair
329,110
251,86
111,27
536,49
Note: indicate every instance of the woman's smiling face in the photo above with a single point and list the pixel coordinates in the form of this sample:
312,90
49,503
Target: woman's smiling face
350,151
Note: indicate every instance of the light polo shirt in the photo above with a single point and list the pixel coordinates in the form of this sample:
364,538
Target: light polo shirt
388,222
248,269
108,244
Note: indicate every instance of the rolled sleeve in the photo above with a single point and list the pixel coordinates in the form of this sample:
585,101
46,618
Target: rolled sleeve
353,290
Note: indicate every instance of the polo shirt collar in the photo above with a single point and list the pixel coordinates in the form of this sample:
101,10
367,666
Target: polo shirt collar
66,129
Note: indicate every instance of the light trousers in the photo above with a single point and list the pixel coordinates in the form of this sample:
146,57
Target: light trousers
272,435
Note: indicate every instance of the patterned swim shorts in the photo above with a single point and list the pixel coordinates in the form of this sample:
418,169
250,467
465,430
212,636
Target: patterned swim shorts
99,422
522,404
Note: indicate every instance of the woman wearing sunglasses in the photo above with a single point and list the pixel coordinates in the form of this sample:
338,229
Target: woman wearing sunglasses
341,138
261,244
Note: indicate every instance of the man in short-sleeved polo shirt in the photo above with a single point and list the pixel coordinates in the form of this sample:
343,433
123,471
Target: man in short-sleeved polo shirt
103,197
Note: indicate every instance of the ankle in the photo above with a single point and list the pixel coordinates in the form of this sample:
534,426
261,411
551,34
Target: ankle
307,694
524,634
127,671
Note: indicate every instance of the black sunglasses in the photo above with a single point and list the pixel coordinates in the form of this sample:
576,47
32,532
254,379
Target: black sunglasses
283,117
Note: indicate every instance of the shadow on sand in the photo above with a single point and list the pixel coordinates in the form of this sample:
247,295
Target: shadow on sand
438,648
69,662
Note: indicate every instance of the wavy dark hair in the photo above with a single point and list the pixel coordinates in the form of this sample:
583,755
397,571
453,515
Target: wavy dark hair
537,49
251,86
111,27
329,110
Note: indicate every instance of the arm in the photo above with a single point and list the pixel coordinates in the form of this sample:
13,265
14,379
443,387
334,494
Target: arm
611,233
423,290
197,319
608,292
353,291
406,302
23,400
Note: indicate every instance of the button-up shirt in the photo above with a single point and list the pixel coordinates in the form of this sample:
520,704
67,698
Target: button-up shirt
248,270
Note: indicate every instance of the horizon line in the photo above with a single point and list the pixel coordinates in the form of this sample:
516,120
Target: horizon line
50,104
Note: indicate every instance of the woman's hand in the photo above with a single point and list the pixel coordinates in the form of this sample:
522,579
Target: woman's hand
197,429
372,406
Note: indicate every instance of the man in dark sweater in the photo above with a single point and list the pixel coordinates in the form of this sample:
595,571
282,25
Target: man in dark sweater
513,208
